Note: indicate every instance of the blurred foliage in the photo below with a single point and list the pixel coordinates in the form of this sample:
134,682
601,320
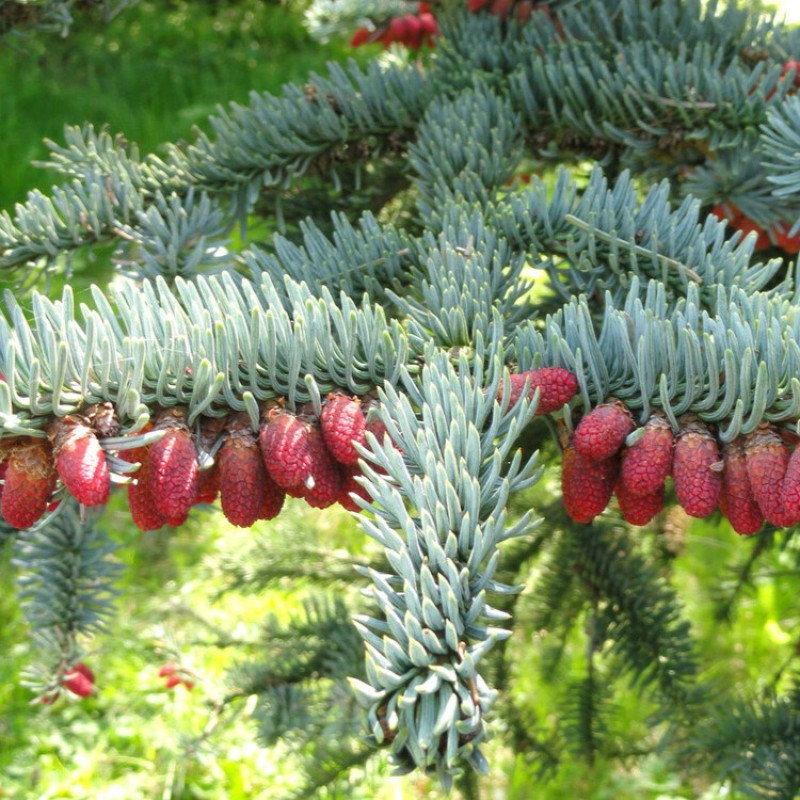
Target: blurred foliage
182,602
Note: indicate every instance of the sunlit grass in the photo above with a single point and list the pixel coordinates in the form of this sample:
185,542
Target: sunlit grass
153,73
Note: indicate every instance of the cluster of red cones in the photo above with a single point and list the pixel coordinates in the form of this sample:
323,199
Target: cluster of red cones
753,479
411,30
520,10
80,681
419,29
299,454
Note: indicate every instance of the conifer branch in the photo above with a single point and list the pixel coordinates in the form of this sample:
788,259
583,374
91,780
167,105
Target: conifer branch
301,685
21,17
442,162
781,139
354,259
425,696
607,234
675,360
214,344
619,575
66,588
352,114
756,746
661,309
744,575
596,572
276,555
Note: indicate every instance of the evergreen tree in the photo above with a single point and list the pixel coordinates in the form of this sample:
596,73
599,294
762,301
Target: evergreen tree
561,234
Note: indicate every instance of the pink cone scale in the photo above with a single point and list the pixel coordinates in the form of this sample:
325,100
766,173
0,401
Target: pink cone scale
556,385
647,463
696,468
343,426
80,460
586,484
284,440
173,468
767,459
736,500
242,474
602,432
639,509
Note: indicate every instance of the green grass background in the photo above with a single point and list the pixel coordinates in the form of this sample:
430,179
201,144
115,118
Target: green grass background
152,73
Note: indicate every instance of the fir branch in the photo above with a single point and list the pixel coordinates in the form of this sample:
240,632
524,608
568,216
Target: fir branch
368,257
781,139
66,574
331,760
281,554
174,236
756,747
267,145
214,343
688,22
645,99
678,360
354,114
636,612
66,589
745,186
726,603
482,47
621,235
22,17
358,116
439,155
79,213
652,638
88,153
560,599
465,279
581,723
425,696
302,682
